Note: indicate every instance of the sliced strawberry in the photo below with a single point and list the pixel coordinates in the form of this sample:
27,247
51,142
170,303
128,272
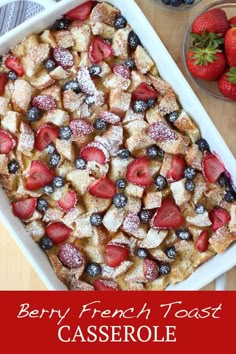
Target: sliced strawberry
23,209
80,12
7,142
45,102
68,254
99,50
168,216
63,57
121,70
93,153
177,169
202,242
105,285
212,167
151,270
144,92
68,201
14,64
138,173
80,127
58,232
116,254
3,82
46,134
103,188
39,175
219,217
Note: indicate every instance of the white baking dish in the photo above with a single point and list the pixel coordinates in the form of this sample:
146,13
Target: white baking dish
170,72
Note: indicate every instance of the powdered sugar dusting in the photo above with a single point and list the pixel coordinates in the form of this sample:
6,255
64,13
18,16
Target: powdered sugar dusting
63,57
80,127
45,102
161,131
131,222
110,284
26,138
70,256
96,144
110,117
85,82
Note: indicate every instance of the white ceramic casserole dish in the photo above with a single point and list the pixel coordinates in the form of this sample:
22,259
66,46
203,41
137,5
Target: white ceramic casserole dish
170,72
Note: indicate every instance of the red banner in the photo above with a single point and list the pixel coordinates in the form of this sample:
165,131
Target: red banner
102,322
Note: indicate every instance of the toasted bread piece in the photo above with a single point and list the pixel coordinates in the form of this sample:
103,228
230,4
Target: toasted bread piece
143,60
221,239
168,103
33,60
47,37
135,127
232,223
180,194
55,92
26,139
3,164
59,73
103,30
42,80
160,85
113,218
83,227
73,214
21,96
200,220
64,39
136,79
72,101
3,105
153,239
80,180
95,253
153,115
131,116
194,157
152,200
119,101
138,141
114,81
118,167
35,229
134,190
186,125
135,274
81,36
53,214
97,170
65,148
104,12
158,284
120,44
11,121
94,204
57,117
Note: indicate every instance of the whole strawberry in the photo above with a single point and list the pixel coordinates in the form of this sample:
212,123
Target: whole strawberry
227,84
206,63
232,21
230,46
214,20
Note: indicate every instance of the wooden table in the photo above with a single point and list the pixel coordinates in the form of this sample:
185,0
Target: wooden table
15,271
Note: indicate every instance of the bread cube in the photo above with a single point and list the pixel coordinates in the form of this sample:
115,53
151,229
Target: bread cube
160,85
57,117
152,200
42,80
33,60
64,39
47,37
72,101
180,194
21,95
153,239
143,61
200,220
113,218
186,125
120,43
65,149
3,105
81,36
26,139
103,30
104,12
94,204
168,103
131,116
114,81
59,73
83,227
35,229
11,121
134,190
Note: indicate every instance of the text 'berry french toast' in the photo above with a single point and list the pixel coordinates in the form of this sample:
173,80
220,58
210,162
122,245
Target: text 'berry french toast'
108,173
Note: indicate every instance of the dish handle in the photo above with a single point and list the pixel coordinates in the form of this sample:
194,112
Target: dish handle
221,281
44,3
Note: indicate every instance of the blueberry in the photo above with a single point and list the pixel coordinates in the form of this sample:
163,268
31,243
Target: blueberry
183,234
142,253
80,163
170,252
224,181
172,117
95,70
45,243
61,24
48,190
54,159
166,2
12,75
175,3
133,40
72,85
190,172
33,114
151,102
50,64
123,154
199,208
130,63
50,149
93,269
100,124
155,153
42,204
96,219
139,106
229,196
189,185
164,268
120,22
160,182
58,182
13,166
65,133
121,183
120,200
145,215
203,145
89,100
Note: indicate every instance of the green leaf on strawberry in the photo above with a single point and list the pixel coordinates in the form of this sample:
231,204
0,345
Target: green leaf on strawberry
207,39
227,84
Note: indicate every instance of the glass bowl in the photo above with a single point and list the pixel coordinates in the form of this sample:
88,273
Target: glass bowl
209,87
176,8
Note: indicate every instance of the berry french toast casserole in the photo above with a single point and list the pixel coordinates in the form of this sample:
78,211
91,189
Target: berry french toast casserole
108,173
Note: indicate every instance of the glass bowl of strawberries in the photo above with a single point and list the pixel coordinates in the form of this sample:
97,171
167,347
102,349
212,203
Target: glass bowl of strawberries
209,50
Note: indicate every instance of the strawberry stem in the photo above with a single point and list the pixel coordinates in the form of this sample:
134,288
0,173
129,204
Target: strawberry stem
231,75
204,56
207,39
